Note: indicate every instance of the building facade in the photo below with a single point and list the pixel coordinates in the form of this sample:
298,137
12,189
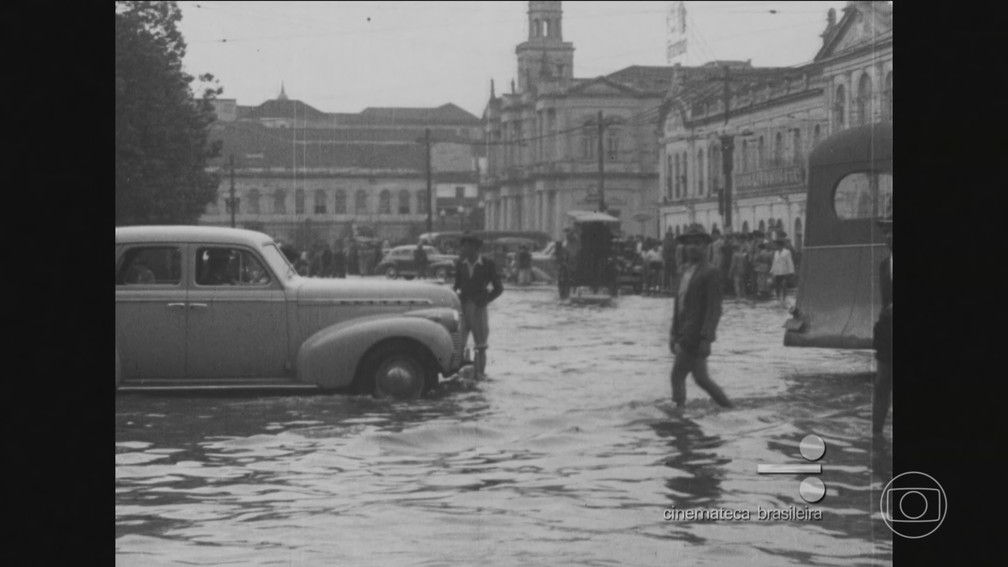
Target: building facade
774,117
308,177
543,138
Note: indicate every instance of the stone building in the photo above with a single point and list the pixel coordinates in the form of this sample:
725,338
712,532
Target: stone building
542,138
305,176
775,116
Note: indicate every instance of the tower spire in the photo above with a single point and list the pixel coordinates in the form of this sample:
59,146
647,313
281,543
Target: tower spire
283,94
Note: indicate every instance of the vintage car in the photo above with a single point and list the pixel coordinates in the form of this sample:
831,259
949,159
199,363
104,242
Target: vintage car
222,307
399,262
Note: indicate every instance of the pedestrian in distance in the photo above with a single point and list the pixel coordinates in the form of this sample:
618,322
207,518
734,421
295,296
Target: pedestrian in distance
477,283
781,269
695,319
420,257
669,260
737,271
882,336
339,261
524,260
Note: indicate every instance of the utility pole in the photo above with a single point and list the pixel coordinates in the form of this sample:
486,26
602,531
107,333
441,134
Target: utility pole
430,195
727,161
601,165
727,152
232,202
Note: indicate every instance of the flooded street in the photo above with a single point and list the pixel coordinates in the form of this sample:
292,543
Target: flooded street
568,453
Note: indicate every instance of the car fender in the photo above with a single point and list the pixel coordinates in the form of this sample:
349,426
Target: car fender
331,356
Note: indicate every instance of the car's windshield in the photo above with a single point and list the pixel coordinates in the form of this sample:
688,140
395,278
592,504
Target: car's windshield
278,262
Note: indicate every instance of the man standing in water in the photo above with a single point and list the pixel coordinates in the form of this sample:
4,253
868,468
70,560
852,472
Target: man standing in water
695,318
473,275
882,337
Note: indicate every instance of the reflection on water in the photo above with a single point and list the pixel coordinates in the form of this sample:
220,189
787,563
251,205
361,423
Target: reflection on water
569,453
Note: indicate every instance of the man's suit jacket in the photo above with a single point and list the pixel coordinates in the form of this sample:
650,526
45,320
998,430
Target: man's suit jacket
475,288
701,308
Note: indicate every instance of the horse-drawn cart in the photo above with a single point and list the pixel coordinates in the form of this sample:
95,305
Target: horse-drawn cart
586,258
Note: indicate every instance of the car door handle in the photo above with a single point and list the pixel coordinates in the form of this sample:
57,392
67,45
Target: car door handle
176,305
200,305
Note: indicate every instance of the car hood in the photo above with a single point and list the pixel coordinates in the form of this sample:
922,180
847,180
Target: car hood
393,292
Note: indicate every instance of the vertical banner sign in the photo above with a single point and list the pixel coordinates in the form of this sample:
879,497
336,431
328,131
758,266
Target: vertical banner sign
675,22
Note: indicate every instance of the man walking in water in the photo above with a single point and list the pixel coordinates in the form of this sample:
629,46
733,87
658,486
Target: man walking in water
882,336
695,318
477,284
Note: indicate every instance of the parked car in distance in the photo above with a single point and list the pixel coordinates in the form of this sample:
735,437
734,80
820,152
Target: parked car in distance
222,307
399,262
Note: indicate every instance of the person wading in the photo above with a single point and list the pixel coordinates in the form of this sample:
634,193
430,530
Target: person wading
474,274
695,319
882,337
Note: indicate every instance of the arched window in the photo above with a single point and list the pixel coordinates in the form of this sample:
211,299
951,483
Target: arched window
797,240
760,155
745,155
668,176
422,202
535,27
796,153
253,201
546,28
685,176
360,201
320,202
779,149
299,202
675,176
385,203
700,173
340,205
888,96
715,167
677,231
762,226
816,135
865,99
404,202
279,202
613,143
839,104
745,227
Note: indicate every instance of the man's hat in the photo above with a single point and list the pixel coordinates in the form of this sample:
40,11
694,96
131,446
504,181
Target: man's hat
781,236
471,239
695,231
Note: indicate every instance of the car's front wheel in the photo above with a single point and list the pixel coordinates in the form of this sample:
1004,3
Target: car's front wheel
395,371
391,272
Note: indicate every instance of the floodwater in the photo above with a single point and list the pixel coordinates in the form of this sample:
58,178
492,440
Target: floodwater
568,453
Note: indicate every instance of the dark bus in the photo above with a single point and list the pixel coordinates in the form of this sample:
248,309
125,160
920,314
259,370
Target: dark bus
849,187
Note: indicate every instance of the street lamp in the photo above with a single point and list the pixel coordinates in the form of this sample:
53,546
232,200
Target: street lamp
441,213
461,216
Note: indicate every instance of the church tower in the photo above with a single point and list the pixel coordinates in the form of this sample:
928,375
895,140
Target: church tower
545,56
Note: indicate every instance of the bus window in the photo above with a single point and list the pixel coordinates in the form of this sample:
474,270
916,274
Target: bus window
862,195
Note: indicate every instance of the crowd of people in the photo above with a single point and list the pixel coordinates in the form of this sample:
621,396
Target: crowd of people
337,260
753,265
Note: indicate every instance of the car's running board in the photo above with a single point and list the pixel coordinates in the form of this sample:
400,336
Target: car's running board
175,385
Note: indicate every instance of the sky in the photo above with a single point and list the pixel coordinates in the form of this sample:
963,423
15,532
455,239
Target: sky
346,56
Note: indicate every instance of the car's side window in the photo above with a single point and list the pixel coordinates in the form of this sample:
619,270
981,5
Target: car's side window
223,266
150,265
